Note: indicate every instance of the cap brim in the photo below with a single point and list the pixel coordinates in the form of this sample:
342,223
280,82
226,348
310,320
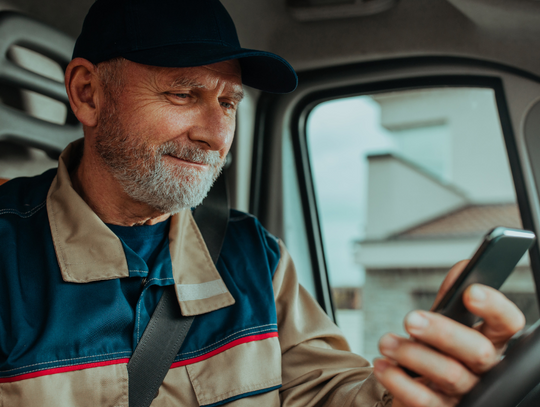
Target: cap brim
260,70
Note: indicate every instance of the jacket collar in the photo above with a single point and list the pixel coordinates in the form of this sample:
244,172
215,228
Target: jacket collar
87,250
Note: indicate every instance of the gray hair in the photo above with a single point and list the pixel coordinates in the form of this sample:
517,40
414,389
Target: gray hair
110,73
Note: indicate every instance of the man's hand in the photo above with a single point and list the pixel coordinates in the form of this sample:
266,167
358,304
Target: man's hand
449,356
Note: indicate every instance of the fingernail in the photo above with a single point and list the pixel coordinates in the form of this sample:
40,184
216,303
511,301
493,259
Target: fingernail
415,320
388,343
380,365
477,293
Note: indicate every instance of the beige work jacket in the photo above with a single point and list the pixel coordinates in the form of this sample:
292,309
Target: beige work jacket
308,362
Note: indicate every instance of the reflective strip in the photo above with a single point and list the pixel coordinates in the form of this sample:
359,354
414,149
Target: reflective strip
190,292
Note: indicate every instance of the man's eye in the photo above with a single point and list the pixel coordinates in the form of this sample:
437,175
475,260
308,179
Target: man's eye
181,95
227,105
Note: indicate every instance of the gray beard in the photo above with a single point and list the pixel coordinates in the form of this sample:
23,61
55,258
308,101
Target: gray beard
144,174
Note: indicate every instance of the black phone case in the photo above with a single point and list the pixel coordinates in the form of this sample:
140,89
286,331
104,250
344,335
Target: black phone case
491,265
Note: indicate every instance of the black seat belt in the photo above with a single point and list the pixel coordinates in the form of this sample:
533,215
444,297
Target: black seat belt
167,328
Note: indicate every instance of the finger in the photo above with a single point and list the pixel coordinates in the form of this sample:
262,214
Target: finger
406,391
449,280
450,376
502,318
465,344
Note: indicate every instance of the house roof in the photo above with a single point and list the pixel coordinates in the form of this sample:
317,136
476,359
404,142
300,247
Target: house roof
470,220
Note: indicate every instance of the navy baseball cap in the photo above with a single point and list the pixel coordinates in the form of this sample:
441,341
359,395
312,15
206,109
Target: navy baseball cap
177,33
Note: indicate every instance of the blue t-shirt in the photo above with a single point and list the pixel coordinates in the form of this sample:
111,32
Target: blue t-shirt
151,244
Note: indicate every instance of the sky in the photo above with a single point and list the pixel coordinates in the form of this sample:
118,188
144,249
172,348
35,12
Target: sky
340,133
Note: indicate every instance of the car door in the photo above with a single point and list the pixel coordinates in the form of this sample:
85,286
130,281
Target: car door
392,171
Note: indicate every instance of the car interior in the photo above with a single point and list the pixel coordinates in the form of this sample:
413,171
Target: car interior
414,130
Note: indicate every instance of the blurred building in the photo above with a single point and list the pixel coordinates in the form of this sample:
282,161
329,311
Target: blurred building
431,201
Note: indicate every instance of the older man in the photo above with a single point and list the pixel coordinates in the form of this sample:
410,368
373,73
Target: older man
88,249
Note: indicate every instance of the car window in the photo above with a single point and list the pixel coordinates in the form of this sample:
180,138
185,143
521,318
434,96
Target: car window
407,183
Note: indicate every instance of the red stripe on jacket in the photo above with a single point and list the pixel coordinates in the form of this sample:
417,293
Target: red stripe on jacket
245,339
71,368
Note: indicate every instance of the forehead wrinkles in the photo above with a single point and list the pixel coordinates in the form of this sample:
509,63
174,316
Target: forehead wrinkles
169,79
186,82
199,78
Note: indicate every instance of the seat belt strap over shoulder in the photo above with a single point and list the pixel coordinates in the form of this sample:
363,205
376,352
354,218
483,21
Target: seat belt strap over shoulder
157,349
167,327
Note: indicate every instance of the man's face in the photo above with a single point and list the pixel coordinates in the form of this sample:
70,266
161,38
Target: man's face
165,134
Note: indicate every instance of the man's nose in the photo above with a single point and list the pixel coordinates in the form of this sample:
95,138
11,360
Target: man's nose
213,127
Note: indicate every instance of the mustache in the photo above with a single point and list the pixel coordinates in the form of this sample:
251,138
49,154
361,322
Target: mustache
190,153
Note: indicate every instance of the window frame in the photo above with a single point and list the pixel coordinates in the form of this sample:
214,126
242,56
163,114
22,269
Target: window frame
269,106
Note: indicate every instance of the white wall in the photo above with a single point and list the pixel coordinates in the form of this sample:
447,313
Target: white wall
400,197
479,164
419,253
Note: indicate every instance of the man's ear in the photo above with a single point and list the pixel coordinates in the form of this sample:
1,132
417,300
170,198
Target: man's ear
83,88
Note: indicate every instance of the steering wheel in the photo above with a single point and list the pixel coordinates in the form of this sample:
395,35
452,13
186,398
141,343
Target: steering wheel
509,383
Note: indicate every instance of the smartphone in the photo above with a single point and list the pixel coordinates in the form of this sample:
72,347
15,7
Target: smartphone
495,259
493,262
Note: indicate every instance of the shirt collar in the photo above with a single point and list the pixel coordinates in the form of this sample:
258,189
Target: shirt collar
87,250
